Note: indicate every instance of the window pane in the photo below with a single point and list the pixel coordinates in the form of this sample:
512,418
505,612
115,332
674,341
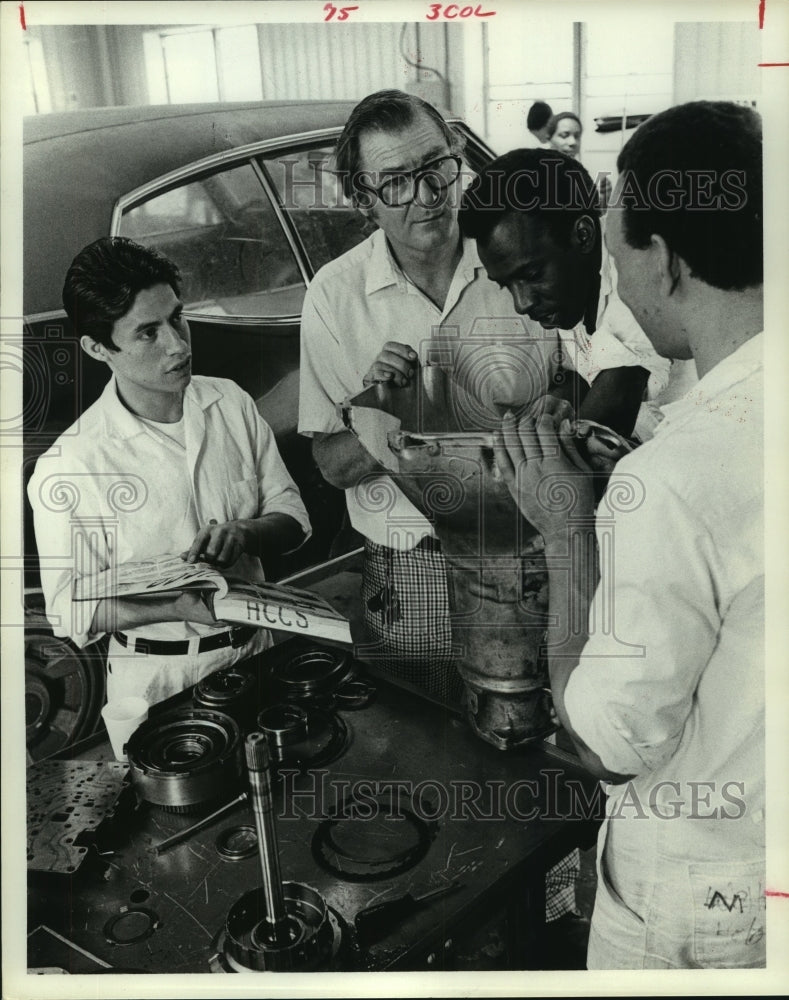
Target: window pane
223,234
326,221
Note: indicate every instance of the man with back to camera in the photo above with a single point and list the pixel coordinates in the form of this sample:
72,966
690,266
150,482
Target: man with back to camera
670,708
162,462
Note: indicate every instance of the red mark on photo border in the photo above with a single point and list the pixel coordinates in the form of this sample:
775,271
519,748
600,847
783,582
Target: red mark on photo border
773,64
22,17
762,4
775,892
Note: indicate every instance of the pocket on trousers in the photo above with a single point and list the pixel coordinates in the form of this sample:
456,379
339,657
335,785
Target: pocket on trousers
606,884
244,498
728,914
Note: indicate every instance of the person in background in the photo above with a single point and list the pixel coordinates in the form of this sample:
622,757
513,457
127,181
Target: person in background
564,131
163,462
537,118
564,135
669,711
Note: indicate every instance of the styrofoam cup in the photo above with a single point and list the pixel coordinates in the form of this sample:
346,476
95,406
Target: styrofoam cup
121,718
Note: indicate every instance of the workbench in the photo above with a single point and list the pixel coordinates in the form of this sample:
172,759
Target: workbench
499,821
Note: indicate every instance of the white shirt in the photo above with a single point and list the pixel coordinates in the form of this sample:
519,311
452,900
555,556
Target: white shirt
670,685
114,488
361,300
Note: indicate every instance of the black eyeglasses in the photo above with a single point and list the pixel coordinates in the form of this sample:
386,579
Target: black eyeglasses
401,187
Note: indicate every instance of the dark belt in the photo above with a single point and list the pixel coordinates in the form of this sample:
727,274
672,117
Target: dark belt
238,635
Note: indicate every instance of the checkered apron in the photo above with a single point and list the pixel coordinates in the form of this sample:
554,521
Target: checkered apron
406,608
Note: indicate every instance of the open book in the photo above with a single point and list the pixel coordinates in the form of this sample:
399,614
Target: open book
266,605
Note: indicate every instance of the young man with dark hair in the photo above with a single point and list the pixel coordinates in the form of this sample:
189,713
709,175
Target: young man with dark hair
534,216
163,462
668,705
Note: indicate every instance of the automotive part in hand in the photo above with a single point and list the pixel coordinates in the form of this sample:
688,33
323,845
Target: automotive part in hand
441,440
185,759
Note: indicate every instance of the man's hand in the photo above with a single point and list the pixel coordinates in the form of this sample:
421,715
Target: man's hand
220,544
396,364
537,464
555,407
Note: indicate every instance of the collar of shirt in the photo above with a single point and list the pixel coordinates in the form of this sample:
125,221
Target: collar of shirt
122,423
384,270
747,359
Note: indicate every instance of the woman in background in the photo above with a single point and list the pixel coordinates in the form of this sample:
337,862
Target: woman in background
564,133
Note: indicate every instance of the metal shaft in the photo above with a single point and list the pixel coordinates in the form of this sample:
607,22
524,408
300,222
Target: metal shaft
257,756
182,835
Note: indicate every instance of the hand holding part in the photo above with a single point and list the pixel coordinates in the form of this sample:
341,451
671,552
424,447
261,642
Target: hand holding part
535,459
601,447
395,364
558,409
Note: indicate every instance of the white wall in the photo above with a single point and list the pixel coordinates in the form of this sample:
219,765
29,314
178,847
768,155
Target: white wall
626,71
527,59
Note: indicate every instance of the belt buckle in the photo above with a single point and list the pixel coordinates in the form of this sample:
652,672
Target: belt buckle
237,636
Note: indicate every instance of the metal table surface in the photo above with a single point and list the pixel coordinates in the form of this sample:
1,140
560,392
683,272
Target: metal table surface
502,819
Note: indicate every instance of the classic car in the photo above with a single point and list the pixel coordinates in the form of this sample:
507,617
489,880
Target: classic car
242,197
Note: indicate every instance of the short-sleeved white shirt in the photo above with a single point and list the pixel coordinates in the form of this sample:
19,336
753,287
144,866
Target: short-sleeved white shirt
114,488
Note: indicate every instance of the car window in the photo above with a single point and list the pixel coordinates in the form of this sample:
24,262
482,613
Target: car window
223,233
312,195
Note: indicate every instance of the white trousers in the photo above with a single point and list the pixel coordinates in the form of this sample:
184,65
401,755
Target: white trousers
155,678
652,911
